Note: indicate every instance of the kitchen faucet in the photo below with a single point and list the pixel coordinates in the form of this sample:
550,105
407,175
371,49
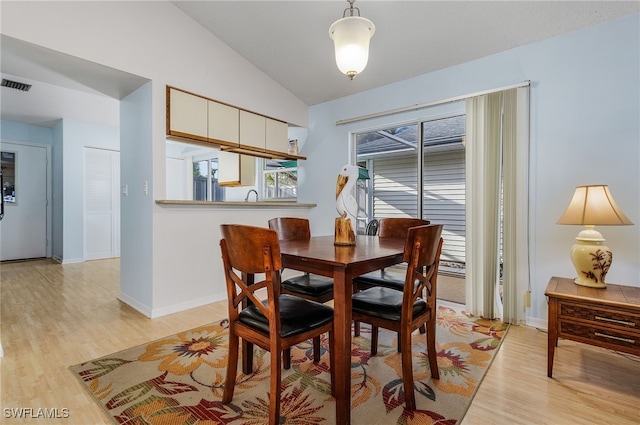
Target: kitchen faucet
246,199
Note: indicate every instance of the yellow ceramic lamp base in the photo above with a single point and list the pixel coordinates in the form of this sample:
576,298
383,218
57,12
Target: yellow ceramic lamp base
591,258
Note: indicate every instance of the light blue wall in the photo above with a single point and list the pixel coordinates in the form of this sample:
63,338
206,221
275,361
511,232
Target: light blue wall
585,115
19,132
75,137
68,139
136,167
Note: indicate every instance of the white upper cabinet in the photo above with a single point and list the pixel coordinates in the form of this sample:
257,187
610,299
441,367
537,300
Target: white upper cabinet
236,170
187,115
252,131
224,123
277,136
263,134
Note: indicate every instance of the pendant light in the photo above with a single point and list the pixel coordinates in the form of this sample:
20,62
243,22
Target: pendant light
351,36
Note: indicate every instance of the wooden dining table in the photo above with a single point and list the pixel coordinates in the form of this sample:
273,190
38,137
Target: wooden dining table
320,256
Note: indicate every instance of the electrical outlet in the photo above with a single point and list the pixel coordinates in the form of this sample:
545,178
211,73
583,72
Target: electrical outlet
527,299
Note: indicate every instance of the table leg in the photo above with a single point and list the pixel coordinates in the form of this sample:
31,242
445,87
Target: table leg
552,332
342,330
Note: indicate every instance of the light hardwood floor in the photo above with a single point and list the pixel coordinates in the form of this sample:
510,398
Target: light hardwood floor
54,316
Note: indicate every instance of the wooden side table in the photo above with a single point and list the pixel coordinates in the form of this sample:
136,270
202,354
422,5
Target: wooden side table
605,317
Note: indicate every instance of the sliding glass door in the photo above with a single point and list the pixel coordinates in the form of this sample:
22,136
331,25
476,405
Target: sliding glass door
412,179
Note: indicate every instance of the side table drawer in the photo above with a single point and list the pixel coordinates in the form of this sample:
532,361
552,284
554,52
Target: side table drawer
600,316
604,337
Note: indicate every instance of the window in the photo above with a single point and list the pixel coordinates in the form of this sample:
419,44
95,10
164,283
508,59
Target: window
280,180
205,181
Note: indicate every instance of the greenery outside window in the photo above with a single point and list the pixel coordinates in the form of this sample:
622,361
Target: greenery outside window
205,181
280,180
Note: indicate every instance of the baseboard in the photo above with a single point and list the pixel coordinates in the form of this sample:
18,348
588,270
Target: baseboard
72,261
153,313
134,304
176,308
537,323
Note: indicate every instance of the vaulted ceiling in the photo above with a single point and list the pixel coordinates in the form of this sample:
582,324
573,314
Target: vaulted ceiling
289,40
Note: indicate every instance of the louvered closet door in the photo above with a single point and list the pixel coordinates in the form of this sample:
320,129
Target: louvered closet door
101,204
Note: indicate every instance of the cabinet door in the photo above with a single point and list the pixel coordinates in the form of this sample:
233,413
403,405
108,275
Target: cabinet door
187,115
277,136
252,131
224,124
236,170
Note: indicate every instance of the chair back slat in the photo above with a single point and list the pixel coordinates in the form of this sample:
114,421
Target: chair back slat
422,251
291,228
428,236
397,227
244,241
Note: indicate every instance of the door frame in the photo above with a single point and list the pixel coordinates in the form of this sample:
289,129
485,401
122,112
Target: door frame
49,189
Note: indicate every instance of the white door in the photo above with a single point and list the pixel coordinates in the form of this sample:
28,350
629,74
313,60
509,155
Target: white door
23,230
101,203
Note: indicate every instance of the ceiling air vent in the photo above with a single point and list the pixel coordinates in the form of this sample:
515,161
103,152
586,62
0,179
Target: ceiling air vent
15,85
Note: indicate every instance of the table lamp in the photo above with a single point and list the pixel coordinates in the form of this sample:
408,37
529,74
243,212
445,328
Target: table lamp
590,206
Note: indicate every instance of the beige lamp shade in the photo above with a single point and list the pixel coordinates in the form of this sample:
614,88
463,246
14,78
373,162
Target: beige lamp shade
591,206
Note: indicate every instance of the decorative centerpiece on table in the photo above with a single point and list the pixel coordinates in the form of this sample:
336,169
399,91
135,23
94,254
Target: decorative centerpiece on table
346,206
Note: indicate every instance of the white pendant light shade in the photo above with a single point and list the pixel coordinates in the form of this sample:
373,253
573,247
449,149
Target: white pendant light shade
351,37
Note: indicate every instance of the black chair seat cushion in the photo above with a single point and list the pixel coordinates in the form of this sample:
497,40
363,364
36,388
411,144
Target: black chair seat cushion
384,303
383,278
309,284
297,315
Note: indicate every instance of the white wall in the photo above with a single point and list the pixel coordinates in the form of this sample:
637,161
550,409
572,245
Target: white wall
585,129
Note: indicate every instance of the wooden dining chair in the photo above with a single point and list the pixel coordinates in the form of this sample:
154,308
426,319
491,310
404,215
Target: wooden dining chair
274,324
309,286
388,227
406,311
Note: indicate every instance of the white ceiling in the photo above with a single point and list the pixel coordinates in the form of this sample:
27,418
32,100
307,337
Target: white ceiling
289,41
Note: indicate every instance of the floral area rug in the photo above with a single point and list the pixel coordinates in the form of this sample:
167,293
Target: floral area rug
179,379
